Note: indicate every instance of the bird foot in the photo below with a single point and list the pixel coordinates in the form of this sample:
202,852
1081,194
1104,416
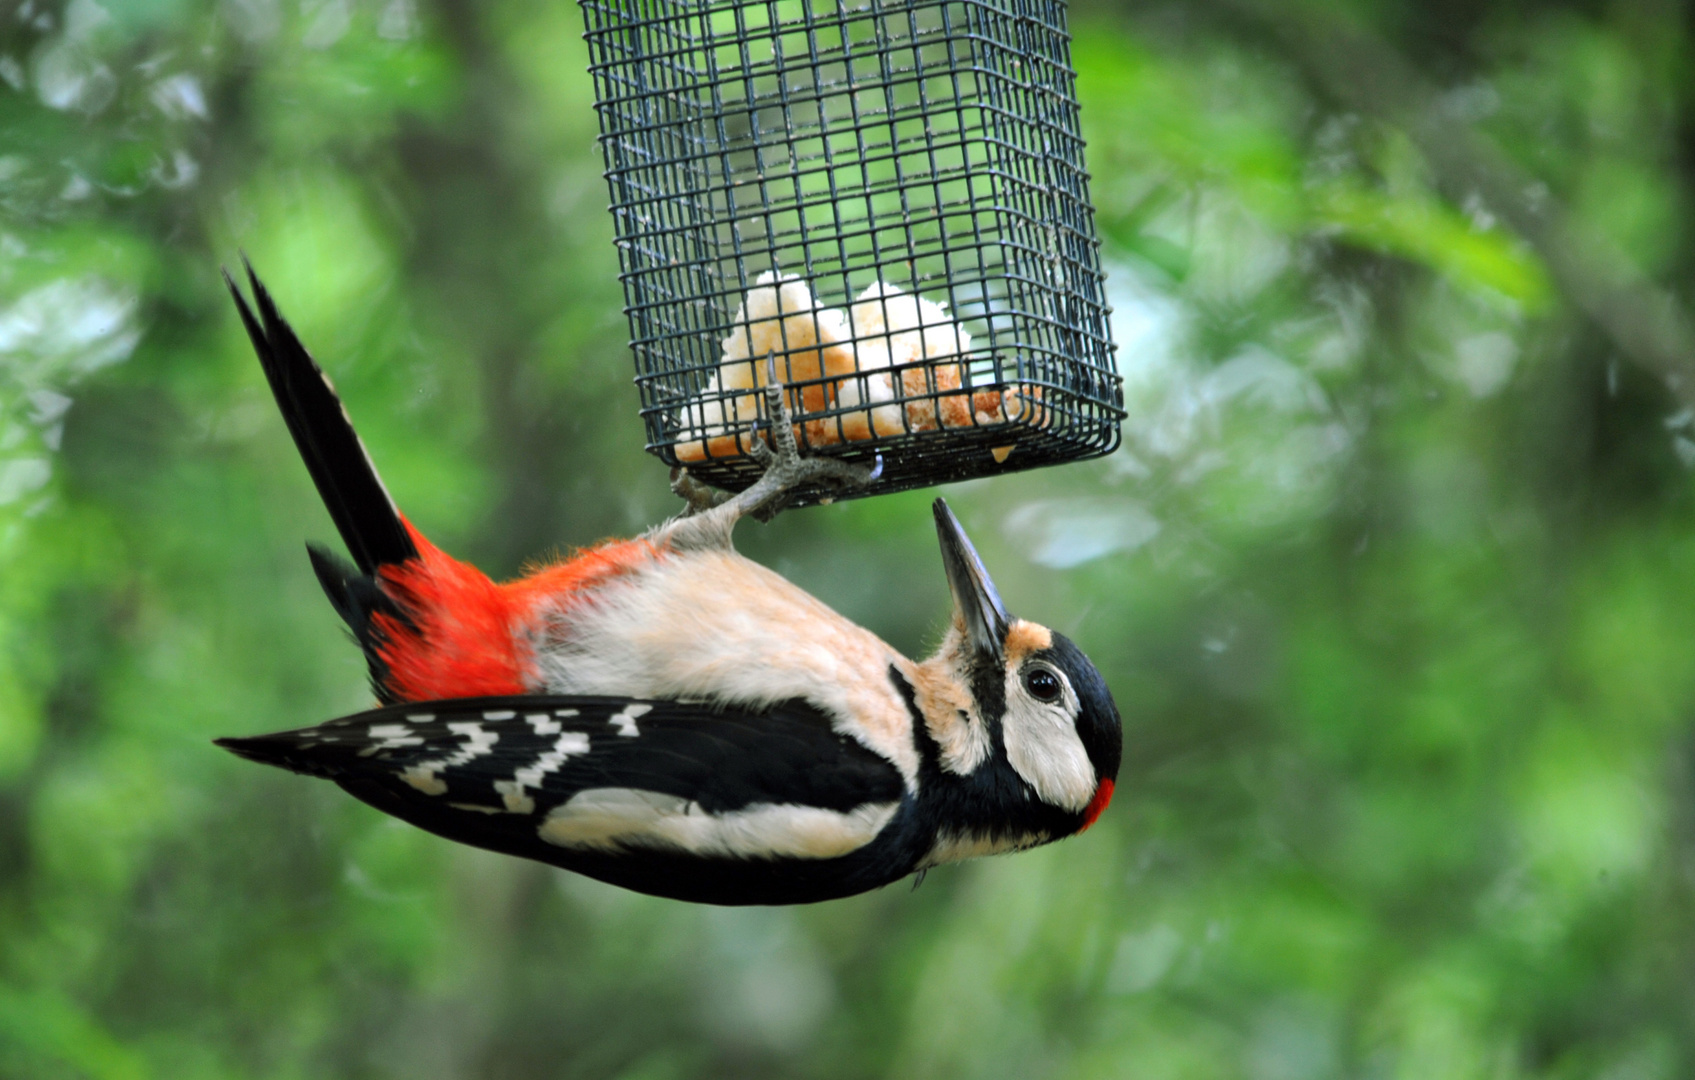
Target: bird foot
711,514
785,468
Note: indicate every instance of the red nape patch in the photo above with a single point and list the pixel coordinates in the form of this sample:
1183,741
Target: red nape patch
1103,796
466,635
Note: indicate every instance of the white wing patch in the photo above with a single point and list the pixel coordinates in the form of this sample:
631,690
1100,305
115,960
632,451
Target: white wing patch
625,721
513,791
422,774
571,742
610,819
477,741
393,737
547,725
424,778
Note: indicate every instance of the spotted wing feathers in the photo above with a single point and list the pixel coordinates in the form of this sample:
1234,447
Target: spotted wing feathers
525,756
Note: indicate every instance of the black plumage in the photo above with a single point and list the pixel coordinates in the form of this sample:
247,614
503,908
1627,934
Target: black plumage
341,469
360,506
720,761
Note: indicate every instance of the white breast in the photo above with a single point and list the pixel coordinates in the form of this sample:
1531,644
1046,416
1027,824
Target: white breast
713,626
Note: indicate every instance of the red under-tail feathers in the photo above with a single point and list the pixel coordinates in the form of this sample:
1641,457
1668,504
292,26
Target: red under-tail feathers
433,627
461,635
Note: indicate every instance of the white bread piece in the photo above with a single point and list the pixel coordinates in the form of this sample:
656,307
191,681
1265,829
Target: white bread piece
778,324
780,316
724,425
918,332
873,386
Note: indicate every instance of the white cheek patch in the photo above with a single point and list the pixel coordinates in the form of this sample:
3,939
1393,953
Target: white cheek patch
1043,746
611,819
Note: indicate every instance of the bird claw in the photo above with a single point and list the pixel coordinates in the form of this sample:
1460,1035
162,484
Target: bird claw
712,514
785,468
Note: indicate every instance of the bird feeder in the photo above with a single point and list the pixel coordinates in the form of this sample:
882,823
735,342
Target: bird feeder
879,204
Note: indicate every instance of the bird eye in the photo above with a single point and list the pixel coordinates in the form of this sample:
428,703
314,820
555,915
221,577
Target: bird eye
1043,684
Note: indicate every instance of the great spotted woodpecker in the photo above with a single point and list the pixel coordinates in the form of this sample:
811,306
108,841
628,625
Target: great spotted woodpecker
666,715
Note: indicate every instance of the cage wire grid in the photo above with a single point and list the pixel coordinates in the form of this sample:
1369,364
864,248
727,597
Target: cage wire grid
881,204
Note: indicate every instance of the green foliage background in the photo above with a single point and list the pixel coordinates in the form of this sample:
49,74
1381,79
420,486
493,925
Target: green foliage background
1394,578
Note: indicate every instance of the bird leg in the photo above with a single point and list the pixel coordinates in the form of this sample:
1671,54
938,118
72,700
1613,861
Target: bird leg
786,470
711,514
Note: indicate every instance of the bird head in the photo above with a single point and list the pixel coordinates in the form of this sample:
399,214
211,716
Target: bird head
1016,714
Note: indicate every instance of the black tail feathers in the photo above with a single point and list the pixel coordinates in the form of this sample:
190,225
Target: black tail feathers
286,749
356,597
347,481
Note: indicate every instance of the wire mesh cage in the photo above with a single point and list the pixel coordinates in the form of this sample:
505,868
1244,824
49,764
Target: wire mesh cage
880,204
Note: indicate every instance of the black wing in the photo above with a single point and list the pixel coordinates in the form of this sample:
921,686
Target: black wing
553,747
501,773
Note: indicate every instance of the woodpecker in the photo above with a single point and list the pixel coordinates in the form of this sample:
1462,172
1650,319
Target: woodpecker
665,715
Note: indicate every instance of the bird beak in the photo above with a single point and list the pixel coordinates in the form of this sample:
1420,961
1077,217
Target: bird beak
974,595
